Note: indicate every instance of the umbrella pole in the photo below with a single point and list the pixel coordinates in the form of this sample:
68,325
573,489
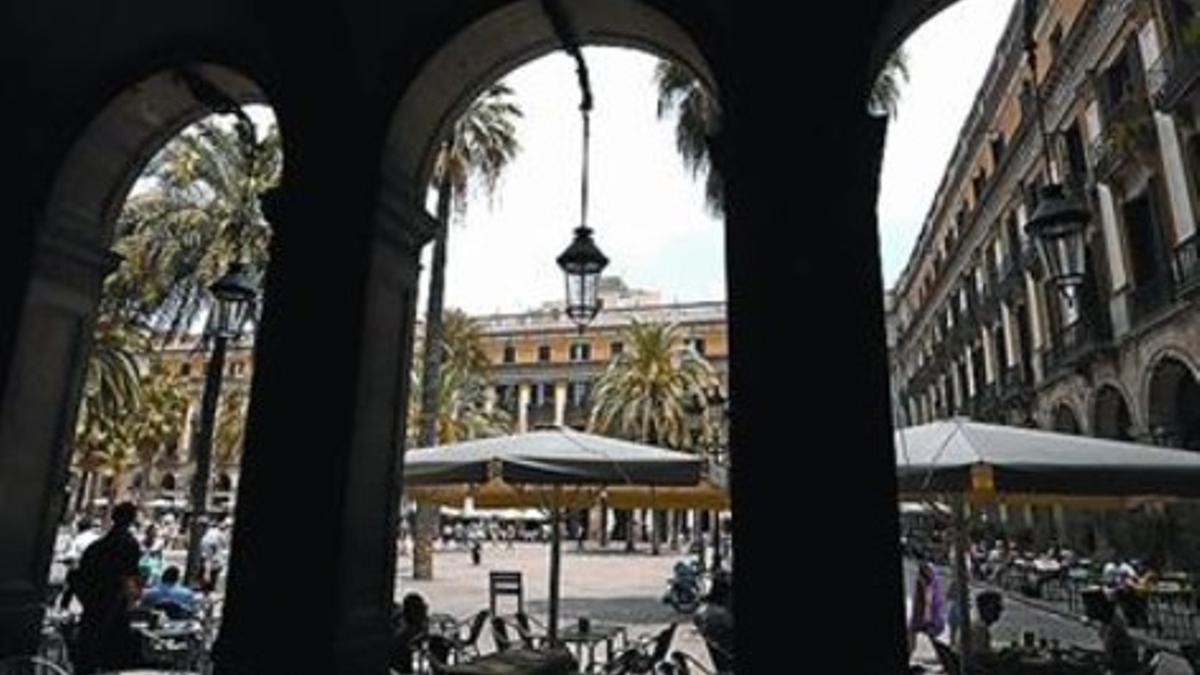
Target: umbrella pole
962,587
555,560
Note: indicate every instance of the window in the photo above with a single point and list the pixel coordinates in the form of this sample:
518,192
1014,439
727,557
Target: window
541,393
997,148
697,344
1056,37
185,369
579,393
616,348
510,354
581,351
544,353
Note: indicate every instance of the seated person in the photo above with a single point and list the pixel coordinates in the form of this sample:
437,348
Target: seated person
410,623
988,607
169,590
1119,649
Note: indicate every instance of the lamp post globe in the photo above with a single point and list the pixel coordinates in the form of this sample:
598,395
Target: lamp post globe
235,293
1057,229
582,264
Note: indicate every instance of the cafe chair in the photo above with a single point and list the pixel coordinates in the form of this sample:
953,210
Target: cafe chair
643,657
433,654
530,638
686,664
468,645
30,665
500,634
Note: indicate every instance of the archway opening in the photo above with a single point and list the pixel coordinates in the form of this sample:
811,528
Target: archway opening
536,370
1174,405
156,200
1111,416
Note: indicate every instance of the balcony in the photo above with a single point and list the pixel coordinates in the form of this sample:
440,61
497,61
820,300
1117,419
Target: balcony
1185,265
1128,135
1173,76
1075,343
1016,384
1012,277
1148,297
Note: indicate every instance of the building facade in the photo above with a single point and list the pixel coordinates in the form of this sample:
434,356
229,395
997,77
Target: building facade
980,331
544,368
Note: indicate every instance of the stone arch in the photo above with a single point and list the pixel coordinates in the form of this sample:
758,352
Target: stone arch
1064,418
70,258
168,481
1112,417
1172,401
224,483
498,43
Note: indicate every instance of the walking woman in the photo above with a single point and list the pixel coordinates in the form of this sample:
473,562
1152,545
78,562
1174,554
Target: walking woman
926,614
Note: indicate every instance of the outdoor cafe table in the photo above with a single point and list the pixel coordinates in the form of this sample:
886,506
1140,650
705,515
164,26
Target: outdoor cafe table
594,635
1022,661
519,662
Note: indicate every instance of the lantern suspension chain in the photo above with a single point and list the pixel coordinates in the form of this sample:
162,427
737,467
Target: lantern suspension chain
570,41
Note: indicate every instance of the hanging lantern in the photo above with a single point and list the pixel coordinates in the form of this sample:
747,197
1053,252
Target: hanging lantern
235,293
1057,228
582,264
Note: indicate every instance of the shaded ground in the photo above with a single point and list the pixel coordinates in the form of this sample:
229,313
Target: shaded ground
605,586
1020,616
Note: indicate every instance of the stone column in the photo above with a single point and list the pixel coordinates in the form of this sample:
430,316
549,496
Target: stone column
523,396
560,403
344,489
761,260
41,393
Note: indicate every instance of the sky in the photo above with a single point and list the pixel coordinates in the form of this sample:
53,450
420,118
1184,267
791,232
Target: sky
947,59
647,211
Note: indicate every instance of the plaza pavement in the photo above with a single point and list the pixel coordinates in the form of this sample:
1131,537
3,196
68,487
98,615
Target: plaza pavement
608,586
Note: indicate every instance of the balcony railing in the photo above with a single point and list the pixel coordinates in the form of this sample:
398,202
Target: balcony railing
1014,382
1073,343
1173,76
1185,265
1149,296
1128,130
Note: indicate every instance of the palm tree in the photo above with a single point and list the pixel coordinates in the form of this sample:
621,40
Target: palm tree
463,391
697,115
645,392
481,144
196,210
885,93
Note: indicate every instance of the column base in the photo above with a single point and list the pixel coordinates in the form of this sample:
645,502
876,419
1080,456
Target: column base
20,627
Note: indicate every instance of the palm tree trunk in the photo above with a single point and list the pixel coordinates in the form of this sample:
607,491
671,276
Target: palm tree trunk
85,479
427,514
630,533
657,535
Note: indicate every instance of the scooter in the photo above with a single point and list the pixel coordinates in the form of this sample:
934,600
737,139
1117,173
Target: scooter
683,589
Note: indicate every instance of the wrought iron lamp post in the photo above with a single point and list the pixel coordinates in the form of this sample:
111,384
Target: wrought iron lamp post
1057,224
235,294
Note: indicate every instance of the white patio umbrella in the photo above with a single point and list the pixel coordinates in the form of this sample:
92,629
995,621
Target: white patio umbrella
551,469
960,461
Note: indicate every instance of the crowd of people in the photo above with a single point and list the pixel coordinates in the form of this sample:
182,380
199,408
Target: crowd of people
110,574
933,606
